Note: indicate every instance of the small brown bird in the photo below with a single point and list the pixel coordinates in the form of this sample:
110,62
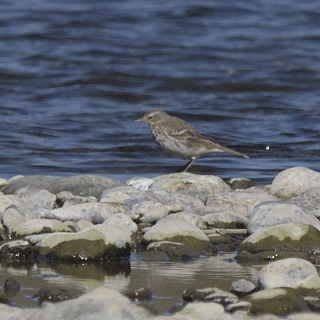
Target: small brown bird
179,139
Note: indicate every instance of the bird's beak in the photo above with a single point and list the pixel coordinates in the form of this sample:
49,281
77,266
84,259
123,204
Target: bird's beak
140,120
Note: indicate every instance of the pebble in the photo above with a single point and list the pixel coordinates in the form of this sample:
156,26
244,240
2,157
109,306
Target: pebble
90,217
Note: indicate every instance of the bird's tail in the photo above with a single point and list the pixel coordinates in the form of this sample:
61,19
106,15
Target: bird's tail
239,154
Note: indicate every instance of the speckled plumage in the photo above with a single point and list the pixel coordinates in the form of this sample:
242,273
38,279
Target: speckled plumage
179,139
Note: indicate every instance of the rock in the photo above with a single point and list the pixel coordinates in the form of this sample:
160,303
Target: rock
184,202
11,287
123,221
209,295
16,250
293,273
38,226
279,301
174,250
83,224
201,311
240,183
82,185
53,295
100,242
241,203
178,231
142,294
14,217
177,182
24,206
295,182
148,211
242,287
139,183
304,316
66,199
91,211
271,214
40,198
294,237
188,217
226,220
100,304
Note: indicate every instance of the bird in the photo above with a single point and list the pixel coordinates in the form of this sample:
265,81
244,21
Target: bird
181,140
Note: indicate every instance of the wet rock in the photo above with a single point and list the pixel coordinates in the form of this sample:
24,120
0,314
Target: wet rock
294,273
53,295
11,287
100,242
174,250
241,203
294,182
242,306
148,211
240,183
294,237
123,221
82,185
209,295
242,287
279,301
142,295
19,250
93,212
271,214
40,198
226,220
176,182
178,231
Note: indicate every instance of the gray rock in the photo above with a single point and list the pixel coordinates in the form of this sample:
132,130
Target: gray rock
271,214
24,206
227,220
66,199
178,231
83,224
40,198
148,211
240,183
292,237
304,316
91,211
13,217
279,301
242,287
99,242
139,183
82,185
188,217
293,273
184,202
294,182
123,221
205,185
241,203
100,304
174,250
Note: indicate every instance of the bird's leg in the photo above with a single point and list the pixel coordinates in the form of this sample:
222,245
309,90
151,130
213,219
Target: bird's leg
189,164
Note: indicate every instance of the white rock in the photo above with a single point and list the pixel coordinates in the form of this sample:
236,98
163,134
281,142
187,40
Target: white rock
271,214
290,272
123,221
294,182
148,211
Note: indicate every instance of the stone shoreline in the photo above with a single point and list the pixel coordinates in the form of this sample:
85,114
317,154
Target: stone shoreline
177,217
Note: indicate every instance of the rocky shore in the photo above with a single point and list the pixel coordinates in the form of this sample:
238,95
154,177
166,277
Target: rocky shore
174,217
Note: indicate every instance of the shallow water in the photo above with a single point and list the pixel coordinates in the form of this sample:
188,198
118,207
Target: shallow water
166,280
75,75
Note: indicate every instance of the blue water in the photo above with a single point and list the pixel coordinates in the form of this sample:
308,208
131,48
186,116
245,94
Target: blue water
74,75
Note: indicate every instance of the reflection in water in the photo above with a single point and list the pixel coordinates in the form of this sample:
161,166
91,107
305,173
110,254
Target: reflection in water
166,280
